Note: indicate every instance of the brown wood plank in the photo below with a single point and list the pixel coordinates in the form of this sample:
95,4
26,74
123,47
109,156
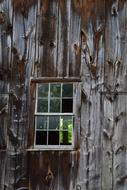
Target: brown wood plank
48,38
63,38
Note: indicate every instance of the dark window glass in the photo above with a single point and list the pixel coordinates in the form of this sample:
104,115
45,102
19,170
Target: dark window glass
53,137
55,105
41,122
42,105
67,90
67,105
43,90
55,90
54,122
65,138
41,137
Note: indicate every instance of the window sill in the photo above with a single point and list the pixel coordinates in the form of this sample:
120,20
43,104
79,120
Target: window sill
70,148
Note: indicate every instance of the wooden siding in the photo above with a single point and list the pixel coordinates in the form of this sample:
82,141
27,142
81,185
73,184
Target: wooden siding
64,40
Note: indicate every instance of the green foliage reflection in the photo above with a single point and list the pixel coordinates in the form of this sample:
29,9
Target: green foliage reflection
66,127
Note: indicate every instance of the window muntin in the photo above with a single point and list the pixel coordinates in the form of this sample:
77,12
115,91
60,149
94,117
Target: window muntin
54,115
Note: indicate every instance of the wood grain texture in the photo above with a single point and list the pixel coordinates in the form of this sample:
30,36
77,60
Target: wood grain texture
64,40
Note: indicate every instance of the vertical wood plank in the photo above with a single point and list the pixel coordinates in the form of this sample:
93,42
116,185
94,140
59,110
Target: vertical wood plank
48,38
63,38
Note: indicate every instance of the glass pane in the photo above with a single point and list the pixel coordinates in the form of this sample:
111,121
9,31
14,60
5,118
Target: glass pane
67,105
53,137
41,122
42,105
41,137
54,122
66,123
67,90
43,90
55,90
65,137
55,105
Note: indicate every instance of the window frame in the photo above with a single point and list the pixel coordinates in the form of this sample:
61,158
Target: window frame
47,146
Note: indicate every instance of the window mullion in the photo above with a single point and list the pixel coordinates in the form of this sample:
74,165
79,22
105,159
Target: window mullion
73,131
59,129
49,99
36,97
35,121
54,114
35,118
47,128
48,116
61,99
60,110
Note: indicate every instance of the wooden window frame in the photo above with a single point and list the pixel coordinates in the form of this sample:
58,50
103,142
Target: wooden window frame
53,147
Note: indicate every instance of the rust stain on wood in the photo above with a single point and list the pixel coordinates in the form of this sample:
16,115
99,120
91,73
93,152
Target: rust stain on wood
77,49
44,7
21,69
2,17
30,131
62,5
23,6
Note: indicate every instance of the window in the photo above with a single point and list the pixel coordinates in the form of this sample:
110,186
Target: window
54,116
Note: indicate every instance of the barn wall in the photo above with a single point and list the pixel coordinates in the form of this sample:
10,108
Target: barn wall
64,39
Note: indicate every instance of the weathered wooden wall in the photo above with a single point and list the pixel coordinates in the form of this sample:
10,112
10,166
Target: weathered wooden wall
83,39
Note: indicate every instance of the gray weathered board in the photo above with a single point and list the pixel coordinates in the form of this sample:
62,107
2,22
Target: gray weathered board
50,40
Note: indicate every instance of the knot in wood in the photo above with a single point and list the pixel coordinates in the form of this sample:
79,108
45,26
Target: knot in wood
77,49
52,44
49,177
2,17
114,11
78,187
